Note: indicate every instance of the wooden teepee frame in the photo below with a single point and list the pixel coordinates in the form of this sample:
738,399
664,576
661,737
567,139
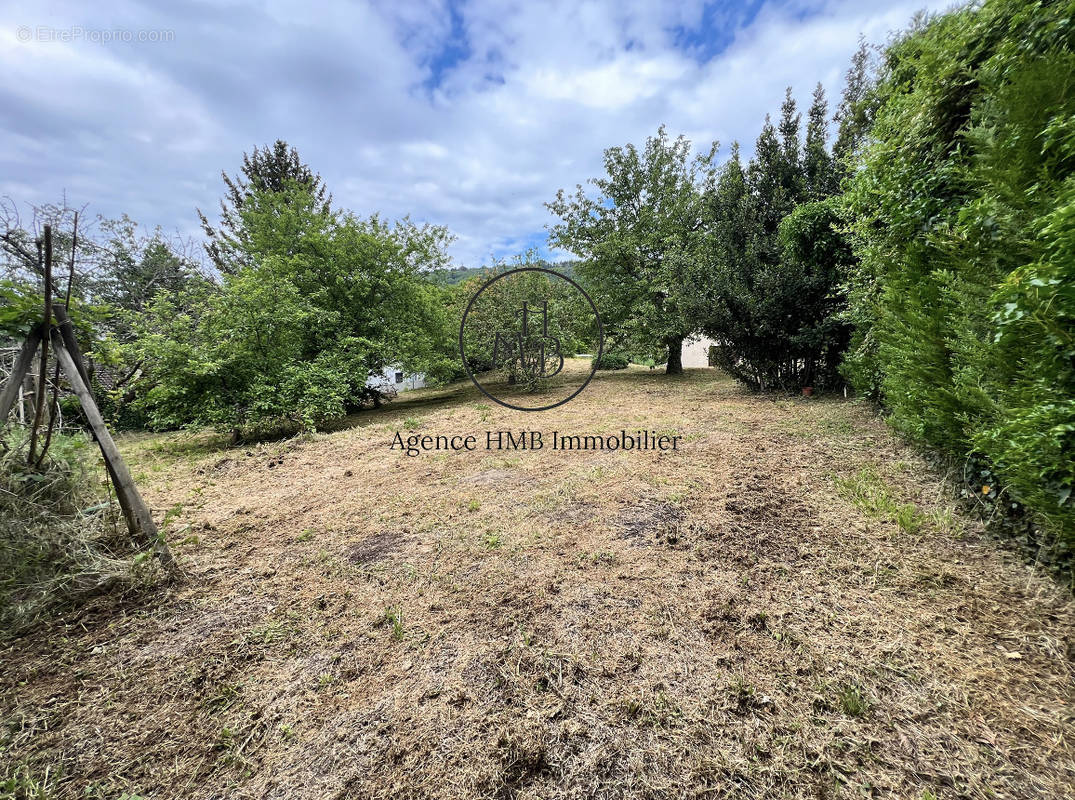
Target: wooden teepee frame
61,336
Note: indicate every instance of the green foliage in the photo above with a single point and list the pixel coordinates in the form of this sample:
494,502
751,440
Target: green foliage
963,210
267,177
290,338
21,307
775,261
807,290
612,360
135,268
852,701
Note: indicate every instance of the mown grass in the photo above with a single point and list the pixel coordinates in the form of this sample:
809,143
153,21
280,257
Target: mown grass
728,619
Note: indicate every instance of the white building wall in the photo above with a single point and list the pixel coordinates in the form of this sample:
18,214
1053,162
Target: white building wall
696,352
396,378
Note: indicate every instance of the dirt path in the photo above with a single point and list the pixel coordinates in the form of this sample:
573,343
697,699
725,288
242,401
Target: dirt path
786,606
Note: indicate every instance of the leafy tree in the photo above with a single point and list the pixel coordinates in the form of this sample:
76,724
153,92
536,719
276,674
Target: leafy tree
134,268
327,300
265,172
639,236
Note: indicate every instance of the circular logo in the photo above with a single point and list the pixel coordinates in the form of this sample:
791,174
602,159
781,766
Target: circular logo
519,332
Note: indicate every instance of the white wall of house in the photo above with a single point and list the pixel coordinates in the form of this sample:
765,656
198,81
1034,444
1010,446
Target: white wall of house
396,378
696,352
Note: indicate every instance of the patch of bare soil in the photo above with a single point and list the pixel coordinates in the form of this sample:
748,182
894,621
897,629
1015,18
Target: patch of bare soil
787,606
375,548
651,522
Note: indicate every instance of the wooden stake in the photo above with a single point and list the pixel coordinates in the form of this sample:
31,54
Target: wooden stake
39,402
139,521
54,405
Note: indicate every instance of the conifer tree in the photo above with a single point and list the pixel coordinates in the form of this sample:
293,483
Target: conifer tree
277,171
769,198
791,177
818,172
855,112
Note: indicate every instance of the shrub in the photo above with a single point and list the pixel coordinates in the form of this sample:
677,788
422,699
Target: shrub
611,361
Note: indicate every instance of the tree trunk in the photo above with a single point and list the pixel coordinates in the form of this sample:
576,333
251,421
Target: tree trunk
675,357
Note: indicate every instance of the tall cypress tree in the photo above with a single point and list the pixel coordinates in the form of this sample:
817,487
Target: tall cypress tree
764,174
855,112
791,176
818,173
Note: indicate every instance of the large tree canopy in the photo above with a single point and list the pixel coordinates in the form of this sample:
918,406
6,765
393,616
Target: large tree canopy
639,235
317,302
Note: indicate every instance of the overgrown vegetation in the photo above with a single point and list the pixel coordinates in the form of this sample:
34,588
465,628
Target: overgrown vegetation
62,538
311,303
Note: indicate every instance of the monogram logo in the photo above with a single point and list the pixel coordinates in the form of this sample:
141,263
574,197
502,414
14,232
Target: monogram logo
518,332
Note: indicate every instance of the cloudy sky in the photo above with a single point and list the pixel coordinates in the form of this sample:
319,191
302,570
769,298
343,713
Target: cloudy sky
467,114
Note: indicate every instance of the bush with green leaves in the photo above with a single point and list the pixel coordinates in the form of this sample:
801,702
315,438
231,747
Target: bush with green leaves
963,219
610,361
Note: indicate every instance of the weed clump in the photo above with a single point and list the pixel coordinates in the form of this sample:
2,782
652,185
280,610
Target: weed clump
62,537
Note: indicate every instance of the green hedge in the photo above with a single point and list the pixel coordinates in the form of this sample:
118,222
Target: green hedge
963,209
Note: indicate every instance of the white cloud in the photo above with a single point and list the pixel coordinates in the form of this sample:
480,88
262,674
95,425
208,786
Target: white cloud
529,98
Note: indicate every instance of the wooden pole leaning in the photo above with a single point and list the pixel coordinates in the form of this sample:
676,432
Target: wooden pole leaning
135,512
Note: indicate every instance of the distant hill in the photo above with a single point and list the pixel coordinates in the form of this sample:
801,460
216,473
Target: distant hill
450,277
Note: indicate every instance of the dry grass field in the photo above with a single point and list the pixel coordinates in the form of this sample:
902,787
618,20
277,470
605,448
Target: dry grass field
786,606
